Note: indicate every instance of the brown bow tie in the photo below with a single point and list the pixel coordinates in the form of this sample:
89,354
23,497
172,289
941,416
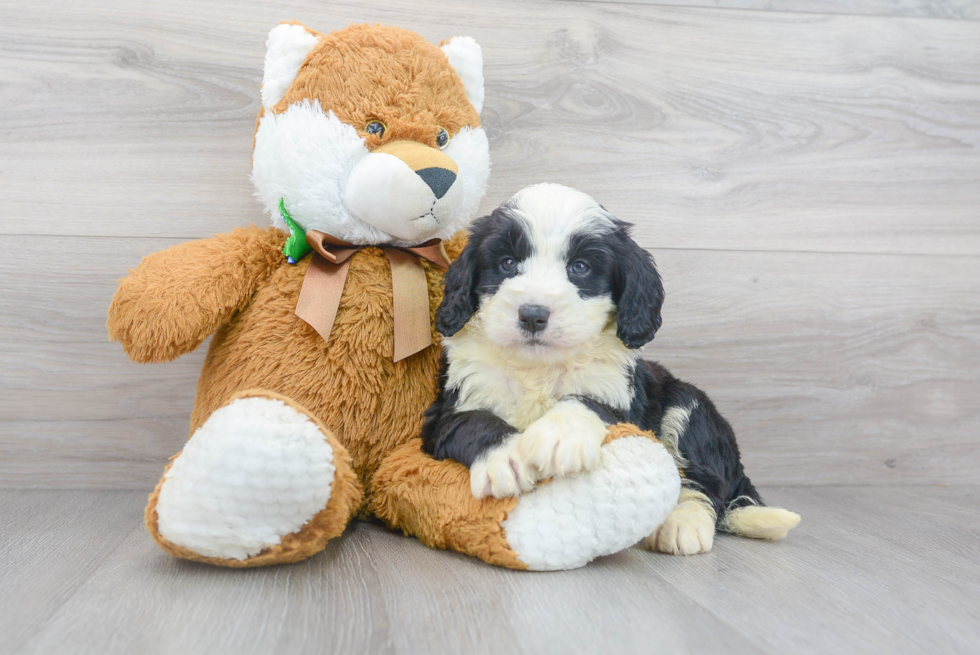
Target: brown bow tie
324,284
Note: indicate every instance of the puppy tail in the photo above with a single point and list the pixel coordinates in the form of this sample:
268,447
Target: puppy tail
757,521
745,514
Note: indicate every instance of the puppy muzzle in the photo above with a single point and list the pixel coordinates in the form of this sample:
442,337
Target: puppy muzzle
533,318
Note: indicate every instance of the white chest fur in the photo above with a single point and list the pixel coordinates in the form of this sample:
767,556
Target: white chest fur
521,389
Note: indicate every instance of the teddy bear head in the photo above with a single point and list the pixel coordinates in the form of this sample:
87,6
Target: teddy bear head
371,134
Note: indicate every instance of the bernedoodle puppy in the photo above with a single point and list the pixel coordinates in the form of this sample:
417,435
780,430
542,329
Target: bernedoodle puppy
543,316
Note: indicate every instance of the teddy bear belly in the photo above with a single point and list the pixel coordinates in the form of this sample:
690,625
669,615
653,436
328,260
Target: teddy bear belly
371,404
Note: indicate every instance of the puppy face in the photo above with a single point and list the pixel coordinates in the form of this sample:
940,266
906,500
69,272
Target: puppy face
549,271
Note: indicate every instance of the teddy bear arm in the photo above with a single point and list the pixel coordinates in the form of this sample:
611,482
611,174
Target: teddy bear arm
175,298
561,524
431,500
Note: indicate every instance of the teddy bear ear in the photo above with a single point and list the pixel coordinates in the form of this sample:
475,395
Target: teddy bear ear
286,50
466,56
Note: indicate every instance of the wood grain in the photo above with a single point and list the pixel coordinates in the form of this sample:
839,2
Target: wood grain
833,368
869,570
860,574
713,129
810,185
942,9
371,592
50,543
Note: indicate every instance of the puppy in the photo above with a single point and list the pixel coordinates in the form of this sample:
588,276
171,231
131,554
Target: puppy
543,316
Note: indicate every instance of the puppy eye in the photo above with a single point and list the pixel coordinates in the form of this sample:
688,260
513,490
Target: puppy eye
442,138
376,128
508,264
578,268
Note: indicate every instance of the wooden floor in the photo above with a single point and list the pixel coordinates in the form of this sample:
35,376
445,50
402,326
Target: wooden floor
870,570
807,174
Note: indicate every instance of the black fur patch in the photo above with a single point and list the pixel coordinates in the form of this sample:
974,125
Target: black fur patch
597,252
500,236
637,290
708,444
461,436
477,271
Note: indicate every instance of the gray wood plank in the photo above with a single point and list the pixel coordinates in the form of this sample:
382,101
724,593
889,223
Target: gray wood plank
940,9
862,574
869,570
108,453
718,129
586,610
833,368
50,543
372,591
820,365
891,519
144,601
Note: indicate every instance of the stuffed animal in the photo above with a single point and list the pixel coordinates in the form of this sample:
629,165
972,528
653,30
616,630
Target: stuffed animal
369,157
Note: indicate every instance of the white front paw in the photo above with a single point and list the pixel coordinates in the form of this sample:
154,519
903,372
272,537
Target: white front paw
565,441
501,472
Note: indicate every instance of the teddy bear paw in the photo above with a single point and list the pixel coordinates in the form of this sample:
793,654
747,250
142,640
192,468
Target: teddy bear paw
256,471
572,520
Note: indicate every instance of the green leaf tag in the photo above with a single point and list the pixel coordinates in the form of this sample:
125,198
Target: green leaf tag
296,247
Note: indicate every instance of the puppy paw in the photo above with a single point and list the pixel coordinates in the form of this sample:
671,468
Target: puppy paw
689,530
501,472
565,441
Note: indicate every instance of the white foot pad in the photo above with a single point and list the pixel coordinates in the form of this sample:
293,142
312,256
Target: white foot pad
256,471
571,521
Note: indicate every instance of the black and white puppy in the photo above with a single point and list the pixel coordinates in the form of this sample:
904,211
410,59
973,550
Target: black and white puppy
543,315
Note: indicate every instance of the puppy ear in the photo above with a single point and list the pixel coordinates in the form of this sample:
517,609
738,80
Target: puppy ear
638,293
459,295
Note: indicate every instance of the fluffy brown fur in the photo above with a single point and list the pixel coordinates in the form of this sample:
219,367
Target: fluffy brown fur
239,287
369,409
373,72
350,384
431,499
157,320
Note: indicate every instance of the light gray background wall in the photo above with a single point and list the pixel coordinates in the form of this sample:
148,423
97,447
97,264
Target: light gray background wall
806,174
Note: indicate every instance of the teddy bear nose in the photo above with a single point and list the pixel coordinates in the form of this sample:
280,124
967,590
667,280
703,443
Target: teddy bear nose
438,179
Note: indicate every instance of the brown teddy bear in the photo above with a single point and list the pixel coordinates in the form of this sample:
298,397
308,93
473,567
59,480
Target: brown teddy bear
370,157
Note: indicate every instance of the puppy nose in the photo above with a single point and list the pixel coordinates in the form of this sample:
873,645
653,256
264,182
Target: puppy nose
533,318
438,179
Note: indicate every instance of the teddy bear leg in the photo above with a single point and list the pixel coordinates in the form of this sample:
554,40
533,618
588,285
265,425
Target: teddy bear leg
260,482
561,524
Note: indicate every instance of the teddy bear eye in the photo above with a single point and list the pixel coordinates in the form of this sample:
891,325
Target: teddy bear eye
375,127
442,138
